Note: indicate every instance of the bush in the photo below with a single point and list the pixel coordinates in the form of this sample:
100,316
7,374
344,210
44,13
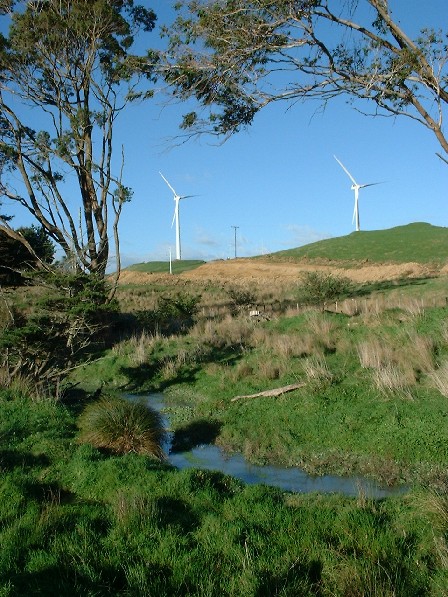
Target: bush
241,298
317,288
172,315
67,324
122,426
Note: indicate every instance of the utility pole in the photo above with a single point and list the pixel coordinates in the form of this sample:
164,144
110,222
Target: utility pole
235,229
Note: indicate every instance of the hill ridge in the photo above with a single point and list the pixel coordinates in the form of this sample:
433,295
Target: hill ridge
417,242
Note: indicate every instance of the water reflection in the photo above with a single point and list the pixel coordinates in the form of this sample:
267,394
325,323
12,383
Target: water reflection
210,457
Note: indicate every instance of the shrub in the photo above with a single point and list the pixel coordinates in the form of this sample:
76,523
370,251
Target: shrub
173,314
241,298
122,426
317,288
70,321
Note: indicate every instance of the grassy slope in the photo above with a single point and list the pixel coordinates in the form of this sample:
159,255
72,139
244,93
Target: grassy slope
76,521
162,267
418,242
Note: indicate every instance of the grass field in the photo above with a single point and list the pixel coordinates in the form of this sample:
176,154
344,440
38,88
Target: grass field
417,242
79,520
163,267
373,369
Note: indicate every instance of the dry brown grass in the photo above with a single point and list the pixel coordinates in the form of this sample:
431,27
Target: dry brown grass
230,331
394,379
439,378
269,369
22,385
375,354
419,351
322,329
413,306
138,347
317,372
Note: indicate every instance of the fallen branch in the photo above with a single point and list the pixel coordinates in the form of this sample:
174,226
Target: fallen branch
274,392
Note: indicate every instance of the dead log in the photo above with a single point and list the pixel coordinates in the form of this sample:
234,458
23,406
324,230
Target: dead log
274,392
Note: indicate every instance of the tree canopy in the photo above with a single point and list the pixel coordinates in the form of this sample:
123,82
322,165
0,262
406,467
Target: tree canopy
237,56
15,258
66,72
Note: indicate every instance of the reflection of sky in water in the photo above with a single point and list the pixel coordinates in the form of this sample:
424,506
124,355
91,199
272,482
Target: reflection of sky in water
291,479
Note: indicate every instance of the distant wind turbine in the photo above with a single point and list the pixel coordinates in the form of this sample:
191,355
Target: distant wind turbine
177,198
355,187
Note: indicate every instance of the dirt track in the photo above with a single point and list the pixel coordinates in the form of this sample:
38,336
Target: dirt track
251,270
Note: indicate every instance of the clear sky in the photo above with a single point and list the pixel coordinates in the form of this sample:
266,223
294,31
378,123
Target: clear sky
278,182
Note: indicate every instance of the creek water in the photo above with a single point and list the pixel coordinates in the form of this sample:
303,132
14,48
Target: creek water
210,457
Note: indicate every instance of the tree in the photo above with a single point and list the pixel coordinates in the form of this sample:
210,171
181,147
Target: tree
70,61
237,56
15,258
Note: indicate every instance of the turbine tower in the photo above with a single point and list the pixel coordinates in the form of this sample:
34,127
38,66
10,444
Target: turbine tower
355,187
177,198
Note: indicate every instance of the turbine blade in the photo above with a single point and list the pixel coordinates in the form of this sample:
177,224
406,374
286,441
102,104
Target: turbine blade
168,184
187,196
345,170
370,184
174,217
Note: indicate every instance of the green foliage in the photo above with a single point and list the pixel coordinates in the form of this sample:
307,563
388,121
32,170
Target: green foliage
66,325
172,314
241,297
261,52
317,288
77,76
122,426
15,258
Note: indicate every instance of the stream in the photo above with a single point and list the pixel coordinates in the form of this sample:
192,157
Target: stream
210,457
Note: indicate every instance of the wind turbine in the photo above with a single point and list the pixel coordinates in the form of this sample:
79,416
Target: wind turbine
177,198
355,187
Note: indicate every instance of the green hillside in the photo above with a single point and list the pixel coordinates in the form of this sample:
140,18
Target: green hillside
163,267
418,242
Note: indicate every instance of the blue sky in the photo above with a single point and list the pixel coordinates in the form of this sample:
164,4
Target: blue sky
278,182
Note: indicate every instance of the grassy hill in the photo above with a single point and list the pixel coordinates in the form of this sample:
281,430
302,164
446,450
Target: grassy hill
162,267
418,242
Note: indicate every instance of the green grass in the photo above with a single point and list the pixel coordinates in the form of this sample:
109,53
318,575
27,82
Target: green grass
159,267
75,521
417,242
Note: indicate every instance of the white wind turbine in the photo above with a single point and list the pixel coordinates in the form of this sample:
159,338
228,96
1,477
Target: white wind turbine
355,187
177,198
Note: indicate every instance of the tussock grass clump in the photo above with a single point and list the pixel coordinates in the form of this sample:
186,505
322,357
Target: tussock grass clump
229,332
392,379
322,328
374,354
122,426
317,372
439,378
421,351
22,385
